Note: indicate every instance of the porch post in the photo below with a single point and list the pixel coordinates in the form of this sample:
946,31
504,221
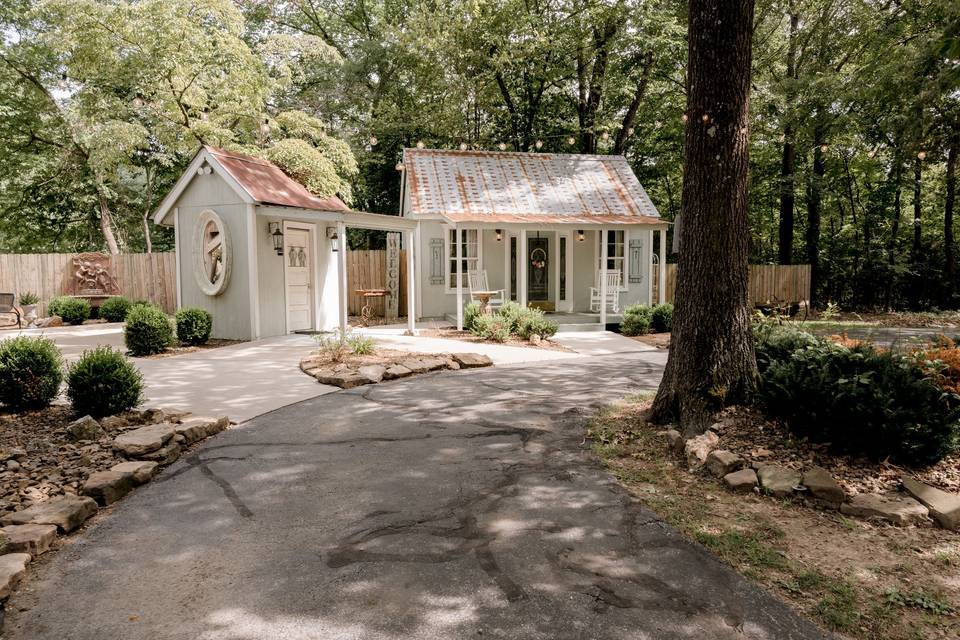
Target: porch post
522,268
411,284
662,269
603,277
650,277
342,276
458,240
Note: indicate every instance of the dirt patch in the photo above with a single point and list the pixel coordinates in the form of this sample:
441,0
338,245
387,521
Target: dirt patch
658,340
914,319
862,579
179,350
465,336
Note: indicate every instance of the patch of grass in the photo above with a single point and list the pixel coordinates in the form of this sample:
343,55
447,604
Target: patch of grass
741,548
838,608
930,602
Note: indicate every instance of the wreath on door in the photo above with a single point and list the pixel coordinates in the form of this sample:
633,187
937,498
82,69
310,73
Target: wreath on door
538,258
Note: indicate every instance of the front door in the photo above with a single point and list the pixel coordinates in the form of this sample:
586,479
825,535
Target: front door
298,264
538,270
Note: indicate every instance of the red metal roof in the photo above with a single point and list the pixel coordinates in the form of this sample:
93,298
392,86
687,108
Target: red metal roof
490,186
268,184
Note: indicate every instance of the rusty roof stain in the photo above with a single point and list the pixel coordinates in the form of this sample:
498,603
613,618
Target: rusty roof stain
500,186
268,184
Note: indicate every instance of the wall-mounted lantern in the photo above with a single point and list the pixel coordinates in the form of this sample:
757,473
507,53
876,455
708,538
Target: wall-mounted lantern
579,235
499,233
276,232
333,237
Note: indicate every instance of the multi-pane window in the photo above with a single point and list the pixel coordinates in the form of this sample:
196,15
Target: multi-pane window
616,253
470,240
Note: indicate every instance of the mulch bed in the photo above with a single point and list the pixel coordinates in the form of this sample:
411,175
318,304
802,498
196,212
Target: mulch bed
179,350
658,340
465,336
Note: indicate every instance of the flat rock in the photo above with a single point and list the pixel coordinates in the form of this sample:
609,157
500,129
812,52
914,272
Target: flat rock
167,454
153,415
721,462
140,471
891,507
197,428
944,507
106,487
67,512
372,372
471,360
699,447
345,379
114,423
141,441
396,371
415,365
34,539
778,481
742,480
52,321
822,486
433,364
674,440
13,566
85,428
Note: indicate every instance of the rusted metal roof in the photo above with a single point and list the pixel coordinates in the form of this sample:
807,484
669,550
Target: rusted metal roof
486,186
268,184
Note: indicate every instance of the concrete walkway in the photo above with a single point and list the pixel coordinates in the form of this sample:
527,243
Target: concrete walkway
456,505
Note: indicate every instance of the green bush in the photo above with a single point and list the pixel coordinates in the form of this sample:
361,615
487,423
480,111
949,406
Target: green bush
72,310
29,298
661,318
361,345
115,309
862,402
194,325
512,313
102,383
148,331
491,327
636,320
31,370
470,313
534,322
775,342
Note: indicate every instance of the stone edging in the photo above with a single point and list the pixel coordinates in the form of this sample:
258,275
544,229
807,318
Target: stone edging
347,376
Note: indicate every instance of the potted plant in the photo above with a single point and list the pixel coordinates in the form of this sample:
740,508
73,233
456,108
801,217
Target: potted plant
28,303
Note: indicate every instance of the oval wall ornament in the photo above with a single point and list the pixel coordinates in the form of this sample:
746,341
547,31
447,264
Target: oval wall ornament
212,253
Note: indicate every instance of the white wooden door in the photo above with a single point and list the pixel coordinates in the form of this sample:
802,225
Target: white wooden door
298,261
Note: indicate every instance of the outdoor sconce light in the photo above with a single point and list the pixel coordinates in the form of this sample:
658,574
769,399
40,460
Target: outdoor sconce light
499,234
277,233
579,235
333,237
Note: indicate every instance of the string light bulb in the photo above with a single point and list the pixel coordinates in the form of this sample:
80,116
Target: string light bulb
502,146
463,146
373,141
538,144
824,148
570,140
683,117
605,135
705,117
631,130
922,155
399,166
419,144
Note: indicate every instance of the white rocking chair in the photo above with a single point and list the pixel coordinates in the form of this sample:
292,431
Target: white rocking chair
477,281
613,291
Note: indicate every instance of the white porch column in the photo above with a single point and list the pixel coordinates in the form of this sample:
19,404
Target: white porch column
662,285
459,241
342,276
650,276
411,284
603,276
522,268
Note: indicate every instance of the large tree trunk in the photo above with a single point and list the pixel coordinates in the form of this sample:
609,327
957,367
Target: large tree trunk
711,361
814,205
950,268
106,223
787,191
916,290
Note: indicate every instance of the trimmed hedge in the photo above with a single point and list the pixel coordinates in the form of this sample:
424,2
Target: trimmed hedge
31,370
509,320
102,383
148,331
661,318
115,309
72,310
636,320
194,325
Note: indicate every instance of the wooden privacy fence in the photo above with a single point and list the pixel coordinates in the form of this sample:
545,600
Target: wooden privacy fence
146,276
783,283
367,269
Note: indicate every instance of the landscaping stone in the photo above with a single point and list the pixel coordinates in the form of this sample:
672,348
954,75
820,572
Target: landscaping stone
674,440
823,487
778,481
52,321
167,454
451,364
13,566
141,441
471,360
742,480
34,539
944,507
721,462
153,416
345,379
432,364
415,365
372,372
114,423
198,427
396,371
106,487
891,507
85,428
140,471
698,448
67,512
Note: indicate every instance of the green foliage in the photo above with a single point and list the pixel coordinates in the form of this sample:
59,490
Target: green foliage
103,382
31,370
533,322
361,345
470,313
636,320
29,298
776,342
115,309
661,318
148,331
509,320
194,325
72,310
512,313
862,402
495,328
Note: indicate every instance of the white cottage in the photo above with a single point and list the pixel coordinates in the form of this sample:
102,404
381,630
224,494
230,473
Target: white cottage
560,232
259,251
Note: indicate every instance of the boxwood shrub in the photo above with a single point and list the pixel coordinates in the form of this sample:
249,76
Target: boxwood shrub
115,309
72,310
148,331
194,325
661,318
102,383
31,370
636,320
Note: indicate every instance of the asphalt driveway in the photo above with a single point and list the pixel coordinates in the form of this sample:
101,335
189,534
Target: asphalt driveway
462,505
